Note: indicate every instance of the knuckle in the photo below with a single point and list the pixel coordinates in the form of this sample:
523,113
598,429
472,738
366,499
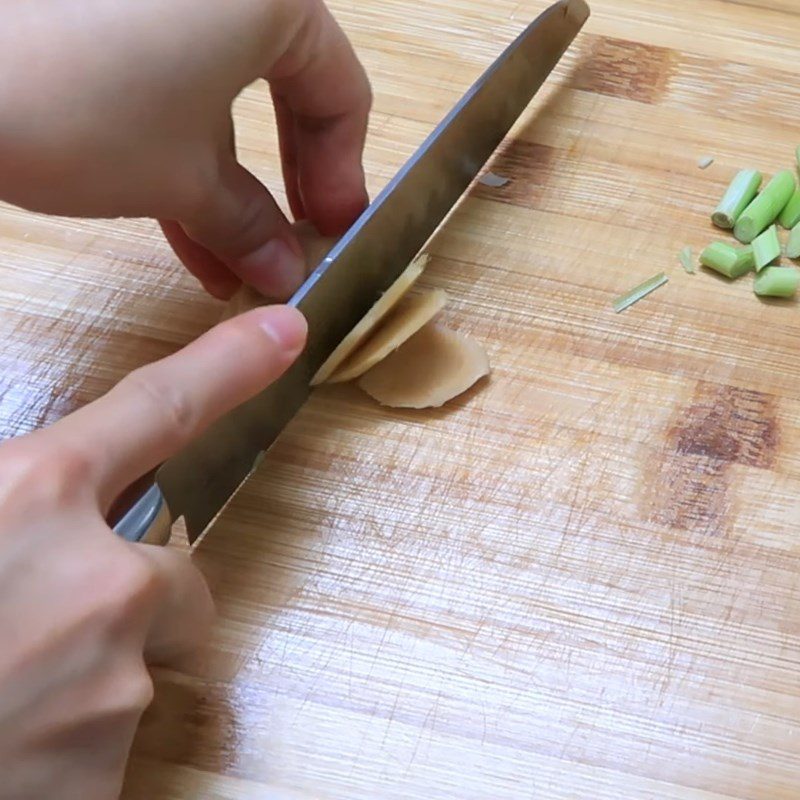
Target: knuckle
135,690
73,465
136,581
125,586
245,219
126,691
232,216
251,224
161,401
45,474
197,186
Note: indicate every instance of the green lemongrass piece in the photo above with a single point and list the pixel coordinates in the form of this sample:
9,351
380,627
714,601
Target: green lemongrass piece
724,259
790,215
687,259
745,259
797,155
766,208
766,248
793,245
639,292
744,187
777,282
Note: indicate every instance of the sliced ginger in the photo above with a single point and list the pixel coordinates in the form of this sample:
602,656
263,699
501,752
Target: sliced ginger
402,358
374,317
408,316
245,299
432,367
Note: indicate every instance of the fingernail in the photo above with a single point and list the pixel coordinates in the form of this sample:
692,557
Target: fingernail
275,269
287,327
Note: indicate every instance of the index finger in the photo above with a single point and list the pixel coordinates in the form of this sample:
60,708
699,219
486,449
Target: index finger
322,99
158,409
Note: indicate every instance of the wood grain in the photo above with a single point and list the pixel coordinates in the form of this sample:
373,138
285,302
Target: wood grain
581,580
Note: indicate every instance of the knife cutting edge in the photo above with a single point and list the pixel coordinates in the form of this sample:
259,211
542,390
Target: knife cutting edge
199,481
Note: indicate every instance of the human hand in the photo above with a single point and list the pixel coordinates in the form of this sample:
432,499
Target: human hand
82,612
113,108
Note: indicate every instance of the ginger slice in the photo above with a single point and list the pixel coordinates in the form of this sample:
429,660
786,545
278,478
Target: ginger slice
433,366
245,299
407,317
373,318
315,248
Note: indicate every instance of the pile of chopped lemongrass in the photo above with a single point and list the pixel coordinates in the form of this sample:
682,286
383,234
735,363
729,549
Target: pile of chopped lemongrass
754,216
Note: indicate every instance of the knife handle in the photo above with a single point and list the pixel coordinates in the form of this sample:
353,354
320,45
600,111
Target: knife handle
148,520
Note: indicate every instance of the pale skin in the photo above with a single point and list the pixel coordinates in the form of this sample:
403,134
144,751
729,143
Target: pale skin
122,108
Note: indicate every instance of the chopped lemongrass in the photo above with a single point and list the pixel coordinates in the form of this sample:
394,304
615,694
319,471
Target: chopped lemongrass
745,259
793,245
766,208
743,188
705,162
777,282
687,259
766,248
797,156
639,292
790,215
724,259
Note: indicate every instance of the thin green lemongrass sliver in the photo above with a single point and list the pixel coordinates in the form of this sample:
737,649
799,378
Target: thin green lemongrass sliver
687,259
741,192
766,248
723,258
639,292
777,282
790,215
793,245
766,208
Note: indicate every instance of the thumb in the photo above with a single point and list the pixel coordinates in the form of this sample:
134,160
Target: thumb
158,409
241,226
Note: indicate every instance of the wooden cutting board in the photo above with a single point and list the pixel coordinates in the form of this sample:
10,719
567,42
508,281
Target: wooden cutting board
581,580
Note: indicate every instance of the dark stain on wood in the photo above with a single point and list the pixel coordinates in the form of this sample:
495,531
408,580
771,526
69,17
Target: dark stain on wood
529,166
723,426
620,68
728,425
190,722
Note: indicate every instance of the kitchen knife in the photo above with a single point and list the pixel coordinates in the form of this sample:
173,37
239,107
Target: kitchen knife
198,482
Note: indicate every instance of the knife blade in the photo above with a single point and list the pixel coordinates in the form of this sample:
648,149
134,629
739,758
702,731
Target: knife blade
198,482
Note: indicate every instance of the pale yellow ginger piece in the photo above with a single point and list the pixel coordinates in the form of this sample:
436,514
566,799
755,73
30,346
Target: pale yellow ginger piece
245,299
433,366
315,248
374,317
408,316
